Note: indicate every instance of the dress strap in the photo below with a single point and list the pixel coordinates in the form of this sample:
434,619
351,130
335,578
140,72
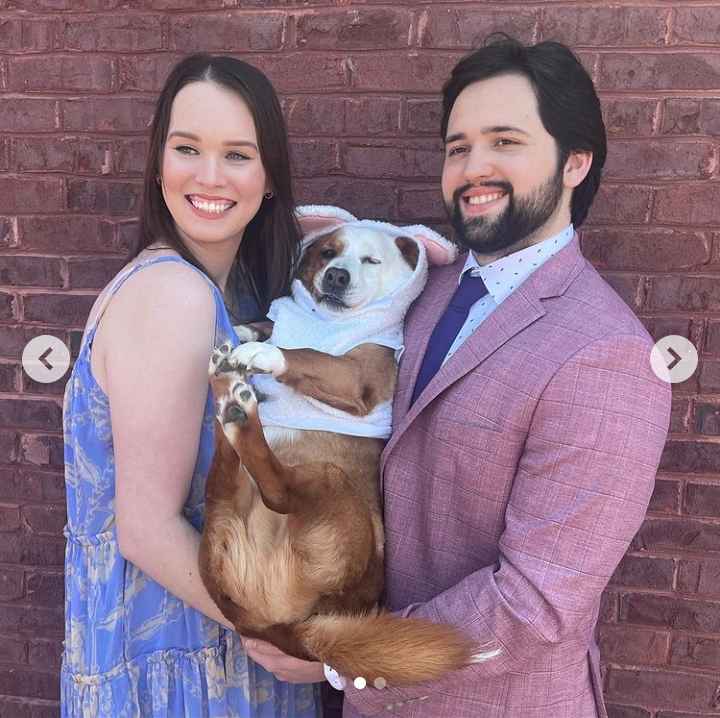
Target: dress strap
131,269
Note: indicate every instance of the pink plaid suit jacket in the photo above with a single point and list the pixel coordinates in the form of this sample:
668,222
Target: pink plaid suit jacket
513,487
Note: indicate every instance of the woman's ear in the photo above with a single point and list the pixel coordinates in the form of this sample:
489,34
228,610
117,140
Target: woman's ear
577,166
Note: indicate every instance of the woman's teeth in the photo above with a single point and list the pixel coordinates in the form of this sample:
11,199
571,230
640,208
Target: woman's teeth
484,199
210,207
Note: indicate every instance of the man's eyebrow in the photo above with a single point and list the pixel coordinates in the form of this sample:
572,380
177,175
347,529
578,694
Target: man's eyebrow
191,136
502,128
454,138
495,129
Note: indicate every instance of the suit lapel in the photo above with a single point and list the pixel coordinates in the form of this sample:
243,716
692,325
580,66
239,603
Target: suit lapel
420,322
518,311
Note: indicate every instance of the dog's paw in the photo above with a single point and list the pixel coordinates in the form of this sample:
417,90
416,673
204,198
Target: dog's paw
219,359
259,357
239,403
246,333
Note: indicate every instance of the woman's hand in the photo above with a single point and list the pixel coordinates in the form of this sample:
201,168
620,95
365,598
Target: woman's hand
284,667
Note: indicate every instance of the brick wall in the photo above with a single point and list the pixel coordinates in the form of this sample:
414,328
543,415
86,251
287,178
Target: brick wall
359,84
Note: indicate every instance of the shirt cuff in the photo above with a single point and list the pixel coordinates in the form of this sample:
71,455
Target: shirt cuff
334,678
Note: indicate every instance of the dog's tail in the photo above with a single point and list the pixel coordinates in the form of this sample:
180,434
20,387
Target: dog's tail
397,650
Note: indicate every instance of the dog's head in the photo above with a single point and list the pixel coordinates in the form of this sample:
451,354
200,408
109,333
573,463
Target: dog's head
353,266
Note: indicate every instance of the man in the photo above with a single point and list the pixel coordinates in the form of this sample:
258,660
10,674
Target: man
528,424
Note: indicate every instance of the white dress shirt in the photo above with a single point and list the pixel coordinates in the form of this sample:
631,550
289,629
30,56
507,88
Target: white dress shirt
502,277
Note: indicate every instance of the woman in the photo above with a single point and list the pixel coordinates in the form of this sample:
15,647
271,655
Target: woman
142,636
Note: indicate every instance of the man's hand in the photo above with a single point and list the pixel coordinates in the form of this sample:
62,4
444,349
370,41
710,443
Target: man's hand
284,667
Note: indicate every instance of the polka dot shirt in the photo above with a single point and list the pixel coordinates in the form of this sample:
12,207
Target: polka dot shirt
502,277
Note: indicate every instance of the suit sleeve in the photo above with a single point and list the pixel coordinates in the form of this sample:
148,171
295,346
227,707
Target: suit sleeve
580,494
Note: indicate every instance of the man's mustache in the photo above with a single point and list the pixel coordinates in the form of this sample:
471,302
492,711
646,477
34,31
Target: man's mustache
504,186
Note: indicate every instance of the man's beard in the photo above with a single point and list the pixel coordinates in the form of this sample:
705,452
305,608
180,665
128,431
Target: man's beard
521,218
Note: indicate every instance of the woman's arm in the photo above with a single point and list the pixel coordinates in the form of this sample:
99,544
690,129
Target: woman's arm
157,338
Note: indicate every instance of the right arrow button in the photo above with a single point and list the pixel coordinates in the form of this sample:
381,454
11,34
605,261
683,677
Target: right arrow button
674,359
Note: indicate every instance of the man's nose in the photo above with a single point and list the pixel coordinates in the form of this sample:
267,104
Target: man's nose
478,165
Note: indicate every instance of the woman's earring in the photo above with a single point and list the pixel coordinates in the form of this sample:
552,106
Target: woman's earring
268,195
158,180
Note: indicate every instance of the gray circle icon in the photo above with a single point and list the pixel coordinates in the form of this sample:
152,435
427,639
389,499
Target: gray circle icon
45,359
674,359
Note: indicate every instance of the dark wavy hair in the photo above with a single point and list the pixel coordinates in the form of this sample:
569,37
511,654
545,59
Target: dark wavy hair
271,242
568,105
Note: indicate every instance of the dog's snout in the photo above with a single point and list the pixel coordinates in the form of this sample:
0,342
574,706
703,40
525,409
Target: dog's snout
336,279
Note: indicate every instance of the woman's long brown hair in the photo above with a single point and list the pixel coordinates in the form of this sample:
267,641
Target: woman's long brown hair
270,246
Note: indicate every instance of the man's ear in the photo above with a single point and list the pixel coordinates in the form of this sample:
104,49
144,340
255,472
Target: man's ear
577,167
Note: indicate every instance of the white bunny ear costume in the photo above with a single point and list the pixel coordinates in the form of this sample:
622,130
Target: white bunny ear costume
300,323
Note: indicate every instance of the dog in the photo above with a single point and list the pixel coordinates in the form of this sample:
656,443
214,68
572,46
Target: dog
292,547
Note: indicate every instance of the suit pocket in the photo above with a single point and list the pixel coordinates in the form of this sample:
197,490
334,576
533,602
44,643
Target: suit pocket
458,415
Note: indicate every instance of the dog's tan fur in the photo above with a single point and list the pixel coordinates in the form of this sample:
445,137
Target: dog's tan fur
292,550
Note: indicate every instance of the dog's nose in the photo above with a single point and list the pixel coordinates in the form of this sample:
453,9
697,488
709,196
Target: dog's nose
336,279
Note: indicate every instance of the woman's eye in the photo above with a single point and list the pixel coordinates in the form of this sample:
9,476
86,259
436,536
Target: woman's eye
327,253
185,149
237,156
505,142
370,260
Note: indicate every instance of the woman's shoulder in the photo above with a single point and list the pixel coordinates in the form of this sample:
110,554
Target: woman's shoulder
156,298
170,288
151,276
164,308
164,272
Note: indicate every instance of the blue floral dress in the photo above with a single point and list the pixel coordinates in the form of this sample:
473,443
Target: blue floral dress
132,649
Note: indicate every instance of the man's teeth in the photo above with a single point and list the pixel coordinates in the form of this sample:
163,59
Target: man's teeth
485,198
212,207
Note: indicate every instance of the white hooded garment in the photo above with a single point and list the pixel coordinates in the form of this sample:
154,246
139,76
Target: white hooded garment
300,323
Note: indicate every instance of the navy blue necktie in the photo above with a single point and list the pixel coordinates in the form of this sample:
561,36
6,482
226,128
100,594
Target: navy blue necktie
468,292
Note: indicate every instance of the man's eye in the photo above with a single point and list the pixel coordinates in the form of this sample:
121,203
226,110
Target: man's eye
456,150
185,149
505,142
327,253
370,260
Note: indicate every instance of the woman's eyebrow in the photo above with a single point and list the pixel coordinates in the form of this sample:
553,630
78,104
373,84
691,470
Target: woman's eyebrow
191,136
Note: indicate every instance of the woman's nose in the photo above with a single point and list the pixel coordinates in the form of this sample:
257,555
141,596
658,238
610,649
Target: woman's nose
209,172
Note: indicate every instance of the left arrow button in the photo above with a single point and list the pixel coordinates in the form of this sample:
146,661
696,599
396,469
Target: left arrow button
35,358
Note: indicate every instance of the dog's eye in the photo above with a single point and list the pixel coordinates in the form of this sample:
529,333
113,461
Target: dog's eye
327,253
370,260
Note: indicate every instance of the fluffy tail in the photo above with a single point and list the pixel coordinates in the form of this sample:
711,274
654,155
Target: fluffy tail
398,650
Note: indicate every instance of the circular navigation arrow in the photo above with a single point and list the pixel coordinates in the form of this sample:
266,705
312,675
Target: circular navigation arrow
674,359
45,359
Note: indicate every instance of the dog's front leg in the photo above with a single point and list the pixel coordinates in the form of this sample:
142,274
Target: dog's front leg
280,486
253,331
355,382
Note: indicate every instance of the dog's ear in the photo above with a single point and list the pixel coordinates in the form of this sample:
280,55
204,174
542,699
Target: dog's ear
409,249
321,218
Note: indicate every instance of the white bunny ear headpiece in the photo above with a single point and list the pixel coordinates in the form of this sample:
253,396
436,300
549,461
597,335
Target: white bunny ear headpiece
319,219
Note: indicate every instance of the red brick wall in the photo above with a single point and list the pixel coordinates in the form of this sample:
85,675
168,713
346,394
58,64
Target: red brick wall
359,82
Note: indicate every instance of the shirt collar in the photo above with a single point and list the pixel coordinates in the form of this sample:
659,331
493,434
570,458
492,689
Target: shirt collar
504,275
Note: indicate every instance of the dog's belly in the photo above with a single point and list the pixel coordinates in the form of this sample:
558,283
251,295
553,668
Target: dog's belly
256,566
280,436
256,556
